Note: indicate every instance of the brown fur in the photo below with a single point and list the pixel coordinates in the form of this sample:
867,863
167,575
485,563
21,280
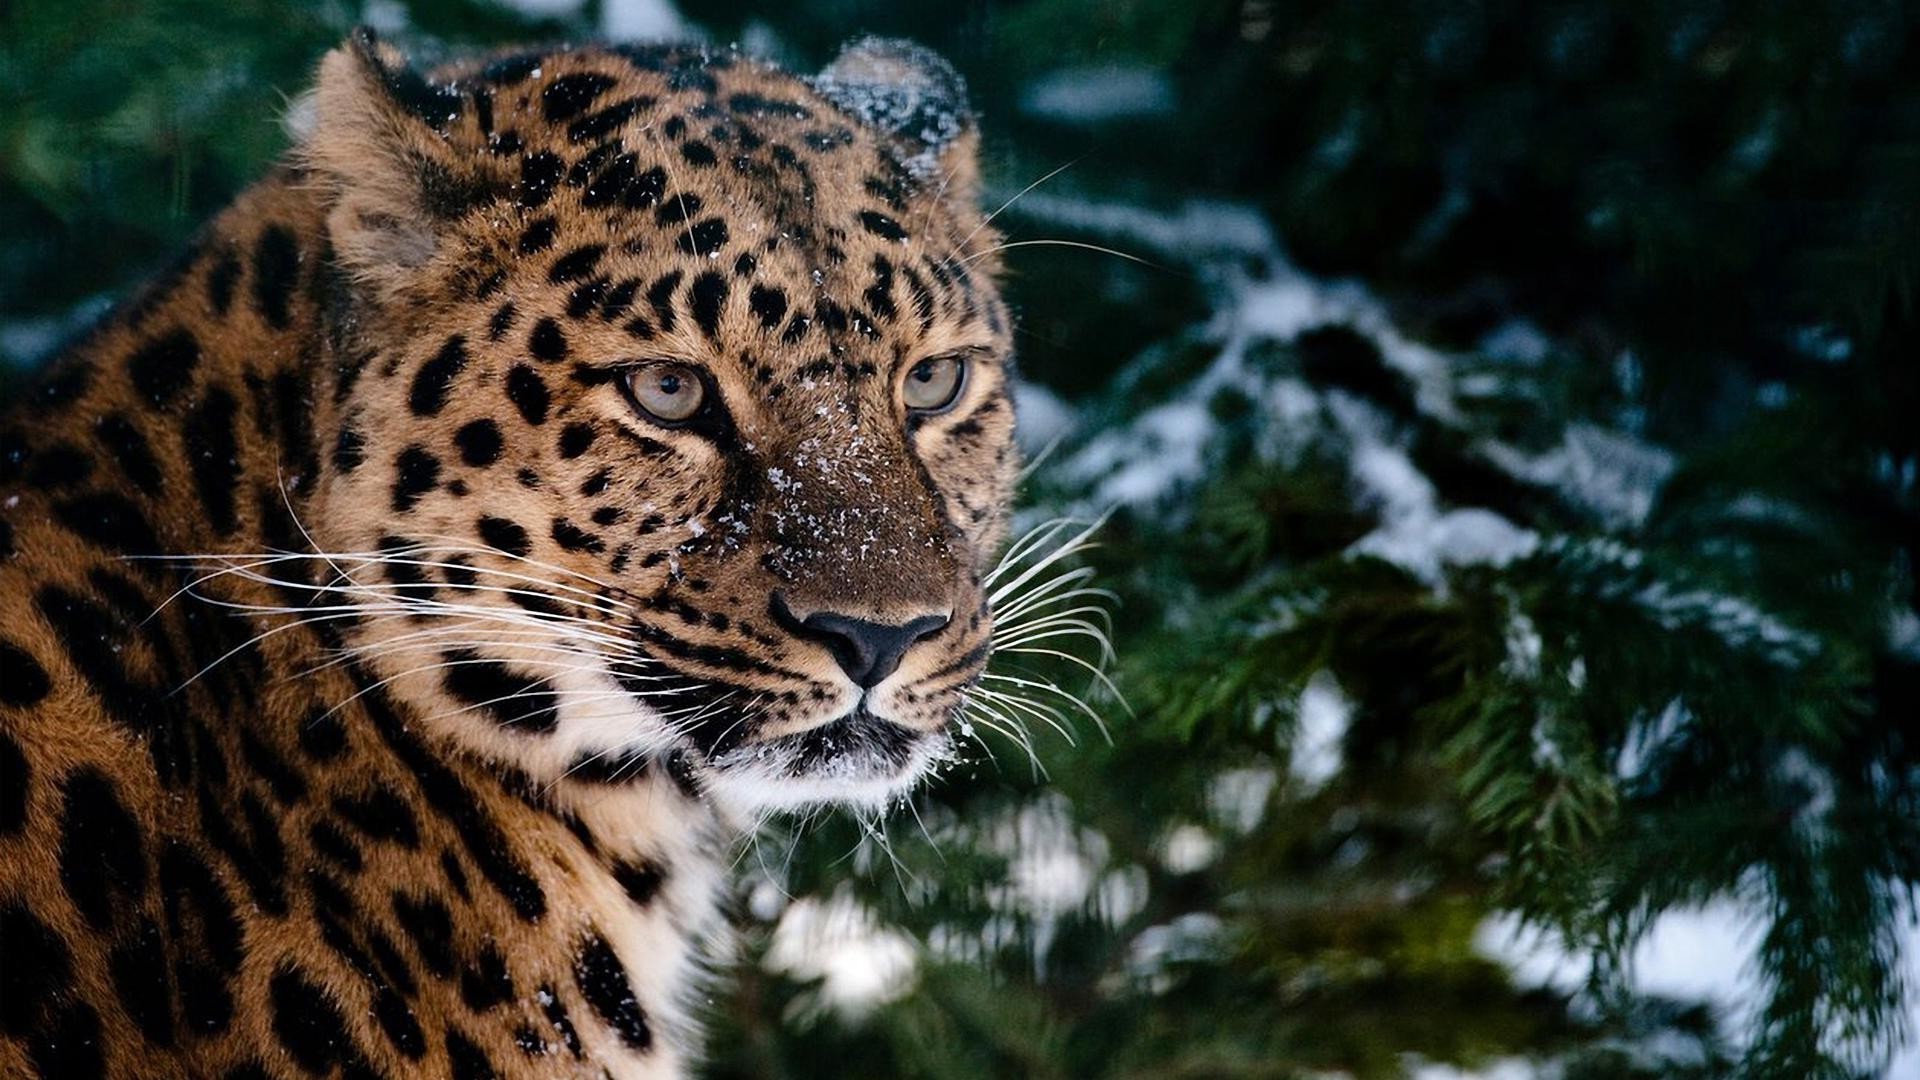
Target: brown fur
313,818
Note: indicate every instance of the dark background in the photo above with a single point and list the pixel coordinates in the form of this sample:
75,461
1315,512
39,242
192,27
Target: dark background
1519,524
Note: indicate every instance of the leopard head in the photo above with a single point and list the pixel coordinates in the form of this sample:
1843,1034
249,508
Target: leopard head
672,419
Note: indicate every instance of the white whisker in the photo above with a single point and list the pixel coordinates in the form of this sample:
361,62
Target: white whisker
988,220
1031,708
977,256
1012,730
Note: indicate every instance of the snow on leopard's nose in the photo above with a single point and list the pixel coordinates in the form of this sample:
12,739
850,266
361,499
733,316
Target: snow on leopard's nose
854,527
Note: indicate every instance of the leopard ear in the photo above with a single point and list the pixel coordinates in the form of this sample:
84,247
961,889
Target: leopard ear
380,151
910,93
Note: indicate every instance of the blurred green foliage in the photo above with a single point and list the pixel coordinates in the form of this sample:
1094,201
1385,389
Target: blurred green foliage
1705,211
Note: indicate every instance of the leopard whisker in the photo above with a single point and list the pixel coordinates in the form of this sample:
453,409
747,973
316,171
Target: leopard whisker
362,560
405,591
988,220
454,626
232,564
1017,555
1037,608
1013,599
311,616
913,807
592,602
1010,245
1100,678
990,716
589,759
1097,619
1051,717
1025,544
677,721
926,212
1056,628
462,546
293,515
473,706
873,825
1033,465
1039,686
257,639
742,718
189,587
968,729
400,603
472,644
453,545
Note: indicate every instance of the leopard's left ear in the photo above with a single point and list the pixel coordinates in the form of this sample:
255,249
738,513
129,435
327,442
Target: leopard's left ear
381,151
911,94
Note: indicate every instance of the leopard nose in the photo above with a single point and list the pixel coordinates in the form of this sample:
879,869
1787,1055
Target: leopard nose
867,650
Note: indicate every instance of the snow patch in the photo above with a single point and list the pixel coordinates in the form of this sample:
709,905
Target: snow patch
1688,954
1087,95
1199,229
26,342
1261,299
1160,451
1823,343
1122,894
1903,634
545,9
1237,798
1609,474
1414,534
1191,938
388,17
1052,864
1646,737
1320,729
1517,341
1736,621
642,20
1055,867
1906,1052
1188,848
859,963
1044,417
1503,1069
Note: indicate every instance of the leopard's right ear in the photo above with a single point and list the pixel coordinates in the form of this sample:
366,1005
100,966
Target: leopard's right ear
913,97
380,149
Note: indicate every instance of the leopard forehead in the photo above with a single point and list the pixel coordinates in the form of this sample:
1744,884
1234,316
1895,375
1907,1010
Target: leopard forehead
766,205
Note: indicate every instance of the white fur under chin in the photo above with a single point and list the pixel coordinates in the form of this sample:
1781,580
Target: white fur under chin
756,781
751,782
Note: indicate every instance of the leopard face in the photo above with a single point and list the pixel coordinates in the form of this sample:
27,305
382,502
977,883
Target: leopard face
672,418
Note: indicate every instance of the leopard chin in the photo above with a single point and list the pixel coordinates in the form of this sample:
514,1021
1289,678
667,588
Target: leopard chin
858,760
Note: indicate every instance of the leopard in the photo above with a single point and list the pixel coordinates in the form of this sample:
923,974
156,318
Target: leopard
562,462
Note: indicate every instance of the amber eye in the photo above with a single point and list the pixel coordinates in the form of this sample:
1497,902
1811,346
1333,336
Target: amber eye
669,393
934,383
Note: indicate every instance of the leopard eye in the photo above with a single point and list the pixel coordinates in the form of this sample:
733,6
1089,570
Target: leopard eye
934,383
669,393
